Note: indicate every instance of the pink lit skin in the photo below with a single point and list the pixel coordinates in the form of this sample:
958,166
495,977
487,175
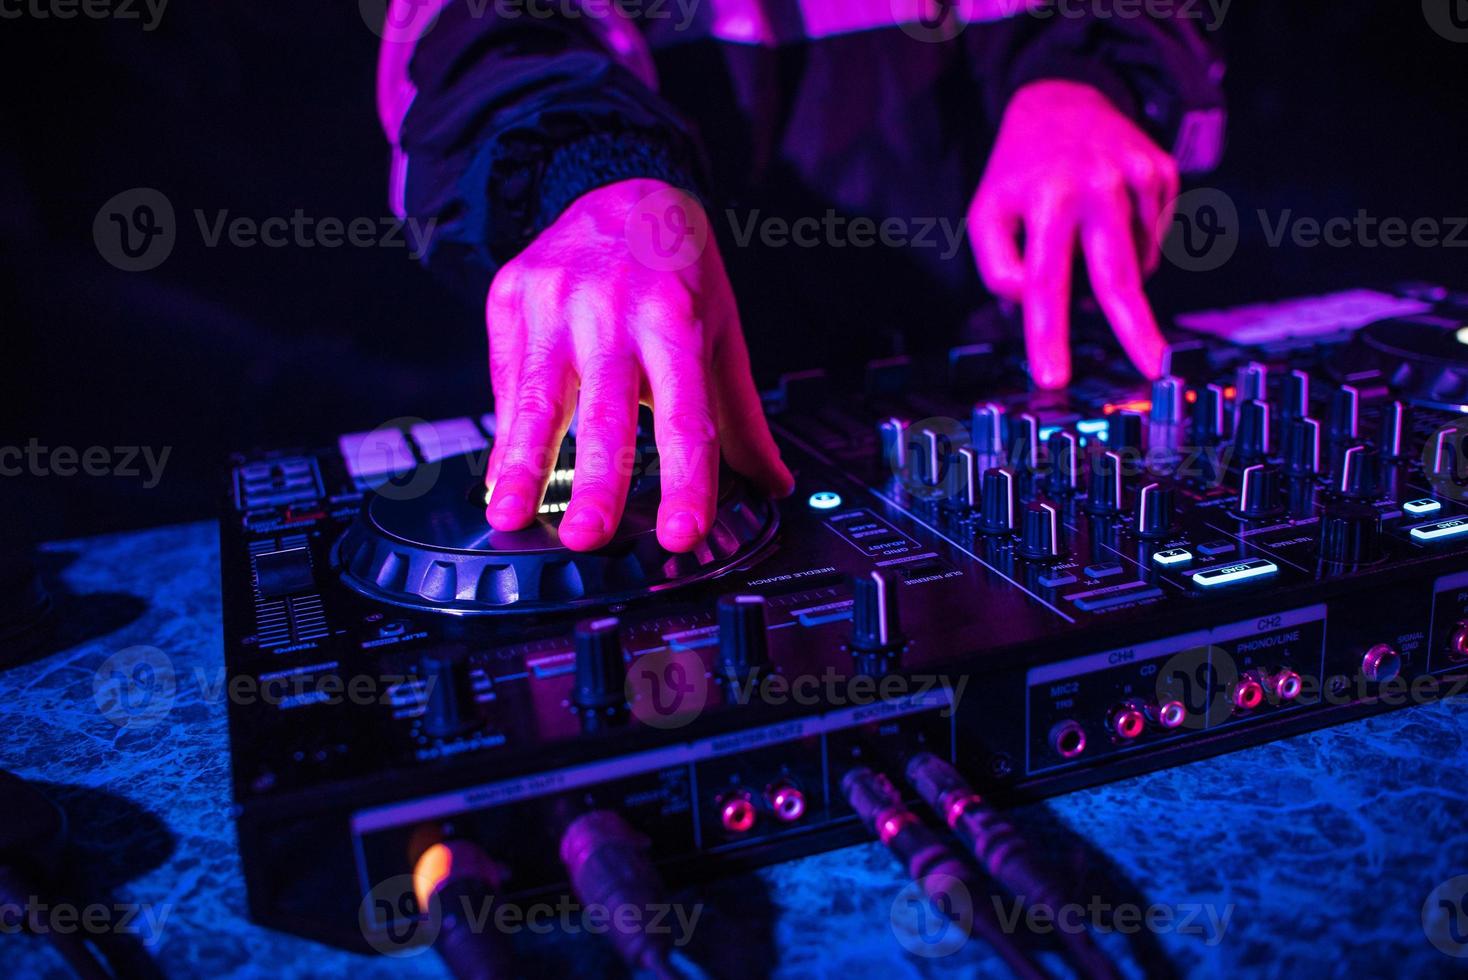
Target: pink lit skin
578,317
1068,167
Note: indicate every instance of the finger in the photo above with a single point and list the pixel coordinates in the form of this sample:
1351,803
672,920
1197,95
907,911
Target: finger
1049,251
1111,262
505,327
743,431
606,432
542,411
994,231
688,445
1153,181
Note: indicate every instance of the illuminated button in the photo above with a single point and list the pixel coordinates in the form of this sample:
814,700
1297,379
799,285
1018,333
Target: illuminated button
1439,530
1242,571
1173,556
1424,506
824,500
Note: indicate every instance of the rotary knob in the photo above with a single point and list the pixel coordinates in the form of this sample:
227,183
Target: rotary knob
1167,400
1357,473
1251,441
1395,426
601,669
987,429
1295,400
930,451
1024,442
1345,414
449,708
1156,511
1209,425
744,648
1259,492
892,444
1252,382
1064,449
970,476
996,510
1350,533
1040,538
1104,490
1124,432
875,624
1302,447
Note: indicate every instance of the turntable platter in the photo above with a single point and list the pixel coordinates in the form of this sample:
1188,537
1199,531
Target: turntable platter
423,542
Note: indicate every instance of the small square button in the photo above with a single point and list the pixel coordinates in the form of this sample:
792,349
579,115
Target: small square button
1054,580
1216,547
1173,556
1426,505
1104,569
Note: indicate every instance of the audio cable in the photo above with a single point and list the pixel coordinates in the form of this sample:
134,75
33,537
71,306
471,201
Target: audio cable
608,865
1001,850
929,861
459,876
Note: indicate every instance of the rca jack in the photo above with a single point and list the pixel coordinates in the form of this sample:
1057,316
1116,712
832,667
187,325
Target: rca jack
1068,739
1247,693
1285,685
737,813
1168,715
786,801
1127,721
1458,642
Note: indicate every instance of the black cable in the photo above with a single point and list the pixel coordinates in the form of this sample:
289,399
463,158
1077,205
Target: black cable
1001,850
453,878
932,863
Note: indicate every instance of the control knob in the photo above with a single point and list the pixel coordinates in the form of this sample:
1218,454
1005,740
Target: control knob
744,648
601,669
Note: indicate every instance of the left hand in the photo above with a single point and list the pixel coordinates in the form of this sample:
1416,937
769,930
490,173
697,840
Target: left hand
1069,165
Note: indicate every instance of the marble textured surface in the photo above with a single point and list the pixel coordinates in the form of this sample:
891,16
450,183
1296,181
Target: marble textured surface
1319,850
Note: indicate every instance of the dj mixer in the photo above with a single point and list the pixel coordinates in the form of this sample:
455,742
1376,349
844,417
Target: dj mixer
976,592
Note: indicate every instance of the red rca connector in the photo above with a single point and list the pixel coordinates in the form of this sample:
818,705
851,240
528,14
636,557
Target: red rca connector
1127,721
737,813
1247,693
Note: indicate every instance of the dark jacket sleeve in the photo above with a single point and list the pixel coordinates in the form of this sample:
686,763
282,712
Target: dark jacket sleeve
513,119
1157,69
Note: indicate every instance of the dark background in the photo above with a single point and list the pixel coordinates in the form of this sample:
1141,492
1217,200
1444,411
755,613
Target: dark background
263,109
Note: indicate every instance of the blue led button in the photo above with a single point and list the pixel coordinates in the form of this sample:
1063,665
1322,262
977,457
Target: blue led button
1173,556
1419,508
824,500
1239,571
1441,530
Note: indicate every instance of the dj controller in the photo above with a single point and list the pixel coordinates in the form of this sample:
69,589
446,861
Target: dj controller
977,593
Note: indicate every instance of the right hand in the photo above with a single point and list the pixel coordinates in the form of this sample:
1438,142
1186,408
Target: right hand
593,315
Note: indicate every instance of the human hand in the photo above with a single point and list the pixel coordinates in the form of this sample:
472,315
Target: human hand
1066,164
594,314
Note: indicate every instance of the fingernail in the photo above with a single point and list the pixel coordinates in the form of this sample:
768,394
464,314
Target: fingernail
510,506
683,525
586,519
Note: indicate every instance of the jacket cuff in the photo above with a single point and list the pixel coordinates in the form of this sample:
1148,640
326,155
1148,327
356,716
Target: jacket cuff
599,159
